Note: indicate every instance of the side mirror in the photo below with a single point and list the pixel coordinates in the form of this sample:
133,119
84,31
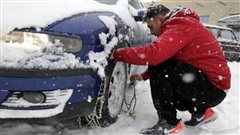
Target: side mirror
140,14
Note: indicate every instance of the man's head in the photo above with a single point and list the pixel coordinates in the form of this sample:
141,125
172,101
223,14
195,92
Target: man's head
154,16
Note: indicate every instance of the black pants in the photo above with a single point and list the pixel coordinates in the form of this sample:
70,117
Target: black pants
177,85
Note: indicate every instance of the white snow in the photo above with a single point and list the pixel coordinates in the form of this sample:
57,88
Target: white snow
28,56
233,19
216,26
188,77
98,60
26,12
89,99
103,38
170,39
227,123
142,56
220,77
44,113
110,23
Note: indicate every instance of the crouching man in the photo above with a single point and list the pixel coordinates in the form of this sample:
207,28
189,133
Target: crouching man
186,68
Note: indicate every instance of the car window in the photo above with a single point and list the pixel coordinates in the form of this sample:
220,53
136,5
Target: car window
110,2
214,32
237,33
226,34
136,4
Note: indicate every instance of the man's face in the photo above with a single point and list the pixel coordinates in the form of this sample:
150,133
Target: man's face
154,24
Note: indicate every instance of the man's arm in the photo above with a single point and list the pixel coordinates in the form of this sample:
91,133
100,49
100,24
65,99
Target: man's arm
164,47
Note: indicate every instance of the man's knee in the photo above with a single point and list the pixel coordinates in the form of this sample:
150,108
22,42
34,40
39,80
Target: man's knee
219,97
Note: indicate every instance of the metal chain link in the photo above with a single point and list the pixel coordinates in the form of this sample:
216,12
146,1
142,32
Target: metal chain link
93,119
133,102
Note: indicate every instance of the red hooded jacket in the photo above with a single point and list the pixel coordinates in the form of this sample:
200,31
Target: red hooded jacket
182,38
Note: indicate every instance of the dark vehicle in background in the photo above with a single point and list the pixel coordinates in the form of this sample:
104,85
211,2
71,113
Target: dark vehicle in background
228,41
55,96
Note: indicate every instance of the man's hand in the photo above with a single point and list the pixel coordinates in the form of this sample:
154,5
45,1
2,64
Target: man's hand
136,77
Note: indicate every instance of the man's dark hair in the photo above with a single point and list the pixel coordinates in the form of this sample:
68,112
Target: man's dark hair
155,9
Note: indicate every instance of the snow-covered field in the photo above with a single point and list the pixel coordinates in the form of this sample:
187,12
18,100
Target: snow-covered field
227,123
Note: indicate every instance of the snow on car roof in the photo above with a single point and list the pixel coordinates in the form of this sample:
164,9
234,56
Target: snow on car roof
231,18
216,26
20,14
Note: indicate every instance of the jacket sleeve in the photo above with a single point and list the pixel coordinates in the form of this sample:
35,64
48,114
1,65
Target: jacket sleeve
169,43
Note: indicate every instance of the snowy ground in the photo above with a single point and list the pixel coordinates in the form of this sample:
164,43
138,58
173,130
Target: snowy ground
227,123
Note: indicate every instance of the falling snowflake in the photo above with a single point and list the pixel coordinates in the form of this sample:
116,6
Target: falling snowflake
89,99
220,77
170,39
195,109
188,77
79,85
142,56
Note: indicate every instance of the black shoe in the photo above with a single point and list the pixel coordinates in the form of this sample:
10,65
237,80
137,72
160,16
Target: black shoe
199,119
162,128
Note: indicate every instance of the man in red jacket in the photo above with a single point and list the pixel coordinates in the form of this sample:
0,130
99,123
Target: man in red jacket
186,68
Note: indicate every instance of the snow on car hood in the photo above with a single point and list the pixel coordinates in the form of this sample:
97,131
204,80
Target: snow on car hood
27,56
41,13
52,56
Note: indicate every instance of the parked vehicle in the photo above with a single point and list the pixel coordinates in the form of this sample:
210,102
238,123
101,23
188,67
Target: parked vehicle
233,22
56,95
227,40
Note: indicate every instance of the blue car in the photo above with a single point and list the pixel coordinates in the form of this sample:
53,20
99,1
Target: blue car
72,94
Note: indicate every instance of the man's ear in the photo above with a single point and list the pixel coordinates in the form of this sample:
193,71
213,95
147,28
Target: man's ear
159,18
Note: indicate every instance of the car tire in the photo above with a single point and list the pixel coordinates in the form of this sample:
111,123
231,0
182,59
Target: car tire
114,86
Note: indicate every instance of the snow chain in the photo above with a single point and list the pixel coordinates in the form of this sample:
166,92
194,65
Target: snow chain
133,102
93,119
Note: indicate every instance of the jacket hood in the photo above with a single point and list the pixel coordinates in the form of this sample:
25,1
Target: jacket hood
183,12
